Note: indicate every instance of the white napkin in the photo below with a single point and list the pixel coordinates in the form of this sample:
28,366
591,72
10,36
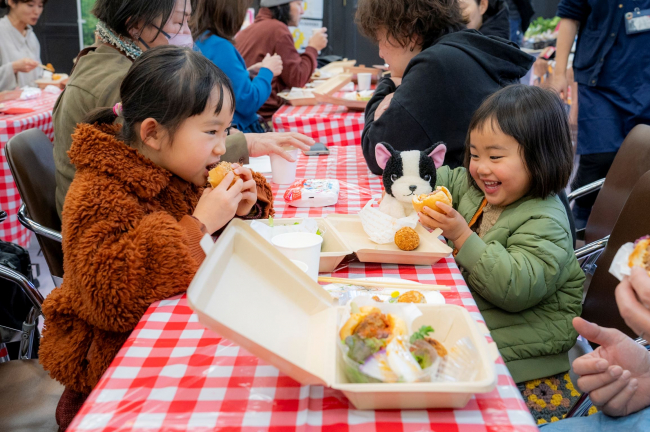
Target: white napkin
380,227
620,264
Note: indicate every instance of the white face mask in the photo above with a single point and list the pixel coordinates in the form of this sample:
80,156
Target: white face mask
183,40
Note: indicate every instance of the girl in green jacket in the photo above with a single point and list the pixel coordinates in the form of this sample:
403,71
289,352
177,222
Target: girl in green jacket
511,233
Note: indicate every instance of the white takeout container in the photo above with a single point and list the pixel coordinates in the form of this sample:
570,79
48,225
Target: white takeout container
334,248
430,251
254,296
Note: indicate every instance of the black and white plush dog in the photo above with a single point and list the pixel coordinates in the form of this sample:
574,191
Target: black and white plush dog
407,174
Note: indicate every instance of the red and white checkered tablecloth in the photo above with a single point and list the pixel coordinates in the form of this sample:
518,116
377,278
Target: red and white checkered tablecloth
329,124
11,125
173,374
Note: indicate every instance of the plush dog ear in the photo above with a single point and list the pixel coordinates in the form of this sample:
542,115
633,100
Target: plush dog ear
383,152
437,153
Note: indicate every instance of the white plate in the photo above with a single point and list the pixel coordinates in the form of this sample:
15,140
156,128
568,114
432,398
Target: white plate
338,291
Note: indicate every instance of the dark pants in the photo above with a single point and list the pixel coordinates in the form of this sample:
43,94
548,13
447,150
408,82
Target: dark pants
592,167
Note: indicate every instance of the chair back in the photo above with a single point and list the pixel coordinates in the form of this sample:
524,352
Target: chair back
631,162
634,222
31,160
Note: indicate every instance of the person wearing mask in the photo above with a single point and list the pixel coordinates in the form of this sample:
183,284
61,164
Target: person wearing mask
215,24
126,29
617,373
20,52
270,34
441,72
612,69
490,17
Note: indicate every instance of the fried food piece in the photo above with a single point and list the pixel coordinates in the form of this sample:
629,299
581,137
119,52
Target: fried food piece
369,322
440,348
56,77
412,297
441,194
377,299
49,67
374,325
407,239
216,174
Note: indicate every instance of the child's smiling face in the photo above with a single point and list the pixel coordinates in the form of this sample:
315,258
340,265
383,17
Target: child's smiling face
198,143
497,165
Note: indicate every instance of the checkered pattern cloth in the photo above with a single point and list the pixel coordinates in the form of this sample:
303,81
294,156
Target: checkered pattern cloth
328,124
173,374
11,125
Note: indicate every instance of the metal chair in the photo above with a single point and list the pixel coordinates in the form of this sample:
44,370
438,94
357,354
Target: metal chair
28,396
30,158
599,300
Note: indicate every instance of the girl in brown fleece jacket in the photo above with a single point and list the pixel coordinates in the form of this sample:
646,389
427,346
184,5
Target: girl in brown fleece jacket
137,209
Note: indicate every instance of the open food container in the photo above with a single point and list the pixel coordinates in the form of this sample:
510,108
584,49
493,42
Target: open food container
350,229
333,250
306,97
254,296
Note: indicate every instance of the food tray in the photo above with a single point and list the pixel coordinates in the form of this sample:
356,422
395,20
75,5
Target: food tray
330,86
61,82
254,296
430,251
350,104
333,249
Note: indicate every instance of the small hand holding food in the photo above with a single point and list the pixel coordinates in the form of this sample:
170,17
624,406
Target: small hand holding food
318,40
217,206
616,374
383,106
453,225
248,190
24,65
273,63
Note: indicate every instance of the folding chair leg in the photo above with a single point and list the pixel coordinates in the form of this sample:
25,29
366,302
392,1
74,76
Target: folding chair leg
27,340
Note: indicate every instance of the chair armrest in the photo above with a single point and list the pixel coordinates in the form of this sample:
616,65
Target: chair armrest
36,227
592,248
28,288
585,190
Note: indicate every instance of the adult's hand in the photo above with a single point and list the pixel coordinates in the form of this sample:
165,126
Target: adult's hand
273,63
617,374
272,142
383,106
24,65
560,83
318,40
633,299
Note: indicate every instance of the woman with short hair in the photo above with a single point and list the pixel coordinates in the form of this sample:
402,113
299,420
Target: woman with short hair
440,73
20,52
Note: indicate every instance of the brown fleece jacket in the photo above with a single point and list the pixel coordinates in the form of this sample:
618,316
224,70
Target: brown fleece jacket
128,241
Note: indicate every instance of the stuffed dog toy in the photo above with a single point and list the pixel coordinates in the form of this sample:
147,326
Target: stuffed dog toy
407,174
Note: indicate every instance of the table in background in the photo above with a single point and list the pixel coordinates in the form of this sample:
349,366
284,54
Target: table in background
172,374
11,125
326,123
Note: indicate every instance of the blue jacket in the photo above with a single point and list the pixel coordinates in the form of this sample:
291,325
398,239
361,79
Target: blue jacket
601,29
250,95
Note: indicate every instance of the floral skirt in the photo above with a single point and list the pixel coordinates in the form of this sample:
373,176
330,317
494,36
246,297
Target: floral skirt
549,399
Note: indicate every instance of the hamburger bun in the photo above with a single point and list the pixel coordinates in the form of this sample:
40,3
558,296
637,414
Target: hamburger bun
216,174
640,256
441,194
396,326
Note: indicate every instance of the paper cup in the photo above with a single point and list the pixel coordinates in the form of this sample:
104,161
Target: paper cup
364,80
283,171
304,247
301,265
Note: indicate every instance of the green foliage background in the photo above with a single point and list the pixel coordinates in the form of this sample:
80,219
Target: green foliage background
91,21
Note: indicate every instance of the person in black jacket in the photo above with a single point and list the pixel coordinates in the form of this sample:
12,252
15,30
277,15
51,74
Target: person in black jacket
490,17
440,74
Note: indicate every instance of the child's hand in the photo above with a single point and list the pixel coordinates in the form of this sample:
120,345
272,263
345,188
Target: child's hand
248,190
217,206
453,225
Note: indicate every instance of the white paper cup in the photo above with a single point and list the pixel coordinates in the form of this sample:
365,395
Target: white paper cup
303,247
364,80
301,265
283,171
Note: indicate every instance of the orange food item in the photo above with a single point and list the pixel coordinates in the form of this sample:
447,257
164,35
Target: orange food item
407,239
412,297
441,194
640,257
56,77
370,322
216,174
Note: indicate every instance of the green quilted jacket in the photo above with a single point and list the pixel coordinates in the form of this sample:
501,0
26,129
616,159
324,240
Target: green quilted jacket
524,277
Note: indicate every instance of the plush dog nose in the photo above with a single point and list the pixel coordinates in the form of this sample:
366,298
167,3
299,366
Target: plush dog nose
413,188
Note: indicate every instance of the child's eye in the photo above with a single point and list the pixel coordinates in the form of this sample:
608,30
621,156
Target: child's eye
228,130
212,132
495,157
473,156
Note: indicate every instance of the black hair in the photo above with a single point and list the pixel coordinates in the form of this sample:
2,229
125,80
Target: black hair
537,119
121,16
4,4
169,84
282,13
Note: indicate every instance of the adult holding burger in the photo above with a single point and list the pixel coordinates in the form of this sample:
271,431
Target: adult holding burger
127,28
270,34
20,52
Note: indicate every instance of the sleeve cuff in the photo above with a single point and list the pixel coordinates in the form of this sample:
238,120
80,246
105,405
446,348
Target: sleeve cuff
471,252
265,74
236,149
194,231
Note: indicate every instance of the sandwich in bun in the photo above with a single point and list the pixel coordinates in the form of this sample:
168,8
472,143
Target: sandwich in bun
640,256
216,174
441,194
